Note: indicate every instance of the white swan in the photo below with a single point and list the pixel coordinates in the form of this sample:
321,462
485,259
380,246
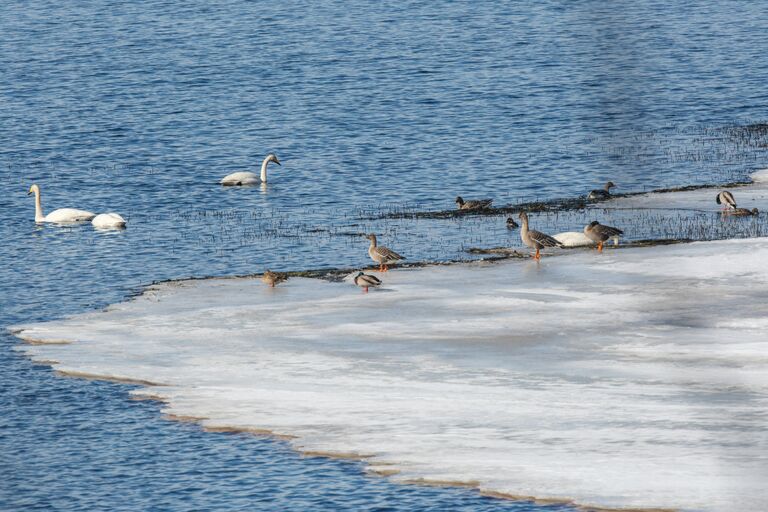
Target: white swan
60,216
108,221
573,239
250,178
577,239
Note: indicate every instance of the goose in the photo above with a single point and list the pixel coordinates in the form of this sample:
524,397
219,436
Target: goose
60,216
726,199
599,233
536,239
108,221
478,204
273,278
601,193
382,255
743,211
365,280
250,178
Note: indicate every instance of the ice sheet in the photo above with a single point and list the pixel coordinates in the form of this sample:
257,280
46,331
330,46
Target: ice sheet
751,196
636,378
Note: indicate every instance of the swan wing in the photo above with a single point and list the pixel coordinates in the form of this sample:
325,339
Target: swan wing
64,215
241,178
573,239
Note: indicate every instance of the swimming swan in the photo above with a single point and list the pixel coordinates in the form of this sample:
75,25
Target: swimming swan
60,216
108,221
250,178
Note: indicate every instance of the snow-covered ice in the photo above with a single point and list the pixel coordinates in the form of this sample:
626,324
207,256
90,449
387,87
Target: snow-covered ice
636,378
750,196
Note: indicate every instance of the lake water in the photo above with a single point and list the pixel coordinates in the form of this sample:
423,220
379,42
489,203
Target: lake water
142,109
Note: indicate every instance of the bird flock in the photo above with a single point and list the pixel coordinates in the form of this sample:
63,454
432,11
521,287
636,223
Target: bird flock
594,232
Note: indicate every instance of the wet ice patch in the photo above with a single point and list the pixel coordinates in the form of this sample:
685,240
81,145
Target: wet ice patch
750,196
636,378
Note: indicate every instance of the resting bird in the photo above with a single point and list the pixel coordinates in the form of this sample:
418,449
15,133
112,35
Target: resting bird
599,233
535,239
250,178
602,193
743,211
273,278
478,204
365,280
108,221
382,255
511,224
726,199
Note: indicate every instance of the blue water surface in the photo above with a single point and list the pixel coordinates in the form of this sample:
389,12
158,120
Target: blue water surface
140,108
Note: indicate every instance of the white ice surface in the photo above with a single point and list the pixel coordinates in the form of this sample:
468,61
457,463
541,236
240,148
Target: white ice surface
750,196
636,378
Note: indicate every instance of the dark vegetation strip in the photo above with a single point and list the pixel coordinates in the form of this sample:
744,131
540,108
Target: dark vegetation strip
557,204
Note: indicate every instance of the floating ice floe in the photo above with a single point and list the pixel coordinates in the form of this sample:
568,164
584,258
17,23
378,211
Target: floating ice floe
636,378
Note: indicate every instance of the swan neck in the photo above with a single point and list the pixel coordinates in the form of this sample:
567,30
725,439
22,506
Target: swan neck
264,170
39,217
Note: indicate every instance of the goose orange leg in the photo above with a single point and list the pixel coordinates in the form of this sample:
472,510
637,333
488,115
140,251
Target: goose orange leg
600,247
537,257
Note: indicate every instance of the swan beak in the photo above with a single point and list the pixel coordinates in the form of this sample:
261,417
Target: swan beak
277,162
29,193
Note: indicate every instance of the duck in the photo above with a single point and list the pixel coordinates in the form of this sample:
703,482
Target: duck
382,255
599,233
273,278
476,204
364,281
726,199
511,224
601,193
536,239
60,216
743,211
109,220
250,178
